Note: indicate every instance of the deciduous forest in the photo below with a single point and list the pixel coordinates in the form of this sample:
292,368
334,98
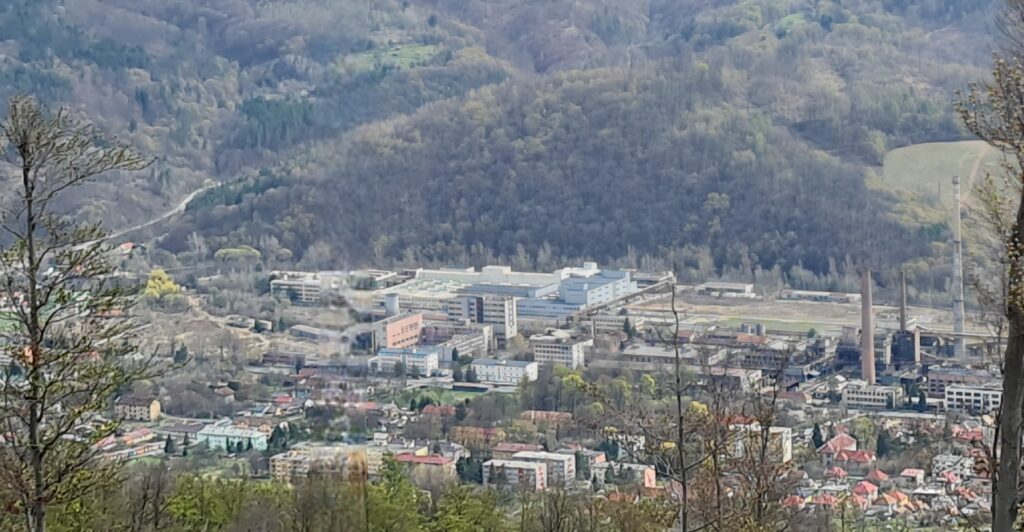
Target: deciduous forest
719,135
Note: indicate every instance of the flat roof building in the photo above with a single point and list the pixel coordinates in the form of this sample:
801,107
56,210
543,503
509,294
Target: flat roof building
976,399
504,372
858,394
559,347
422,359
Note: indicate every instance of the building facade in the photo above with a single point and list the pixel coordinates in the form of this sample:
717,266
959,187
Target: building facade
616,323
131,409
496,310
872,396
425,360
227,438
504,372
298,287
558,347
399,331
561,468
515,474
976,399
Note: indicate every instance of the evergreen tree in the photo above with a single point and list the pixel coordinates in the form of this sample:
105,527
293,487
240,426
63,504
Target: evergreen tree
457,374
884,444
471,375
169,445
239,447
922,401
181,354
816,437
413,407
461,411
248,445
609,475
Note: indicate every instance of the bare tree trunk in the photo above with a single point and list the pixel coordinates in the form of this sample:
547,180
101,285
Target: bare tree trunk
1004,490
680,430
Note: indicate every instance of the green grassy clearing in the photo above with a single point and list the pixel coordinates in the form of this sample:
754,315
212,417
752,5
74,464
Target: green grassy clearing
927,169
402,56
773,325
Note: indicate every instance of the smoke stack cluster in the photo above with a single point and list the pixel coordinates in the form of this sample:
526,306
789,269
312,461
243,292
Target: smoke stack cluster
867,330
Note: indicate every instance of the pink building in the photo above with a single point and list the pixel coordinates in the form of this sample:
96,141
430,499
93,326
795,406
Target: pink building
398,332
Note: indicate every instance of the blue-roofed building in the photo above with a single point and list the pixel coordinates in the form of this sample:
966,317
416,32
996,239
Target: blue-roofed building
580,291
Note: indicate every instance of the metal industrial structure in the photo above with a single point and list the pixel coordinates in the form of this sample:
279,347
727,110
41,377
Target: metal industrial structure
959,347
867,330
906,343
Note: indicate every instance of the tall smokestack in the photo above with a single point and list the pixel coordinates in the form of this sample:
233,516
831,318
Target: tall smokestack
959,347
903,300
867,330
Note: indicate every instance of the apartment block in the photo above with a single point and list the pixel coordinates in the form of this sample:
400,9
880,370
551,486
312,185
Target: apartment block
561,468
515,474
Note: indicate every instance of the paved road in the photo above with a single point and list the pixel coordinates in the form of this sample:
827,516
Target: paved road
177,209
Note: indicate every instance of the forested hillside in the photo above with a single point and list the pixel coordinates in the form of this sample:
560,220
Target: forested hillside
720,134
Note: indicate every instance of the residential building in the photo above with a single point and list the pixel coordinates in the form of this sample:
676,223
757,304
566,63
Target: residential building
976,399
227,437
397,332
290,466
298,287
559,347
423,359
303,459
561,468
504,372
496,310
137,409
515,474
858,394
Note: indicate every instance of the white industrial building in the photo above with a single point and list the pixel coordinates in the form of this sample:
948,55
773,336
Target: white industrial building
560,347
976,399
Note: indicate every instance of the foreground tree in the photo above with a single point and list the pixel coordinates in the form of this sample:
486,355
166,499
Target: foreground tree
70,361
993,112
